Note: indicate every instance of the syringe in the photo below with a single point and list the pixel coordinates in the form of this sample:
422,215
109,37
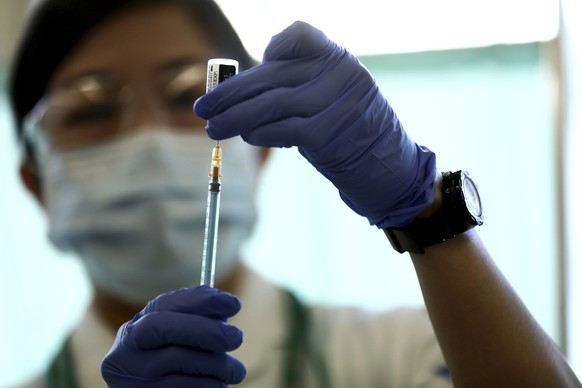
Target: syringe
218,70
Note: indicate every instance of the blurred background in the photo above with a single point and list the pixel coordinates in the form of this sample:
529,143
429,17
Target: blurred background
493,87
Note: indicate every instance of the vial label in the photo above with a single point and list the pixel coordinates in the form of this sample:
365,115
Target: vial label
218,72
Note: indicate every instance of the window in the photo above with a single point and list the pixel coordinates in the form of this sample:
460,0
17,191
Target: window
369,27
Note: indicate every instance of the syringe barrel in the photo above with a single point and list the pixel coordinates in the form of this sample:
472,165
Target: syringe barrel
210,234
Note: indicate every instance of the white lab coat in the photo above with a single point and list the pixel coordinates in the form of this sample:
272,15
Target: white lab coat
360,349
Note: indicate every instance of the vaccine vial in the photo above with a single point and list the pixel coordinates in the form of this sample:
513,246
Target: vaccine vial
220,69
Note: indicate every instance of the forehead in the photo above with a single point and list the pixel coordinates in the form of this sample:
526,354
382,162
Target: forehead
135,43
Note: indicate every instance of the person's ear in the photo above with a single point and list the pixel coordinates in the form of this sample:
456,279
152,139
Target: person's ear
31,180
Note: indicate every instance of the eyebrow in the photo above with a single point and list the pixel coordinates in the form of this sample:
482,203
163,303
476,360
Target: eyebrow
100,74
173,64
181,62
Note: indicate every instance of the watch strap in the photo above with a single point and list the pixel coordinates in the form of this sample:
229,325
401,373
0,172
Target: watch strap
450,219
419,234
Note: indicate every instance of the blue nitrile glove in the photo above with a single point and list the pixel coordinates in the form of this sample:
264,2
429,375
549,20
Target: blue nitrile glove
179,339
313,94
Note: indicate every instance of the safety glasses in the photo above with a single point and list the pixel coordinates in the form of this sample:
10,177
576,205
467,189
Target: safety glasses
96,108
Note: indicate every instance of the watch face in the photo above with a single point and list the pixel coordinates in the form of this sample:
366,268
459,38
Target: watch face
472,198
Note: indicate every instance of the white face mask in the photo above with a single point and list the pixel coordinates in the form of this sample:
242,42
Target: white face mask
134,209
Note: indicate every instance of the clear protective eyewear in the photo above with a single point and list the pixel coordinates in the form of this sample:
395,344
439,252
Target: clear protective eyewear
97,108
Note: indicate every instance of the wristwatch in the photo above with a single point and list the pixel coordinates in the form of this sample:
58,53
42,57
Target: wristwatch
460,211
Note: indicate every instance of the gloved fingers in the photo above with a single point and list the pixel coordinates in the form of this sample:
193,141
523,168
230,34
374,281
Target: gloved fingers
304,132
260,79
298,40
283,133
202,300
341,91
288,132
269,108
301,119
159,329
174,381
294,57
173,363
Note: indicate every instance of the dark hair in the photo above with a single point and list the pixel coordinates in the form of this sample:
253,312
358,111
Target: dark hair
56,26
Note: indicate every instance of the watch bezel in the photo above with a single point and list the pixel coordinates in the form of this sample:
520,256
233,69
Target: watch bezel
463,179
473,218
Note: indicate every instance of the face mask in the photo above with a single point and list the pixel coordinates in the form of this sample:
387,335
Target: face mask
134,209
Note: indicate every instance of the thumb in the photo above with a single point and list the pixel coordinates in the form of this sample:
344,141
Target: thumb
298,40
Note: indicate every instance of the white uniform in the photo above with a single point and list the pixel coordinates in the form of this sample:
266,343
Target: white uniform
359,349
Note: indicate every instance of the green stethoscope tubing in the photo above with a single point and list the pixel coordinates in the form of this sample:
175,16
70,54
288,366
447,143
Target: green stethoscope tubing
301,345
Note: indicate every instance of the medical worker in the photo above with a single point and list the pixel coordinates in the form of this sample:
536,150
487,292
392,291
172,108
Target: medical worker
102,93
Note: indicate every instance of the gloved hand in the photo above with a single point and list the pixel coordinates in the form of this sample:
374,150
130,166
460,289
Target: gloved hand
313,94
178,340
